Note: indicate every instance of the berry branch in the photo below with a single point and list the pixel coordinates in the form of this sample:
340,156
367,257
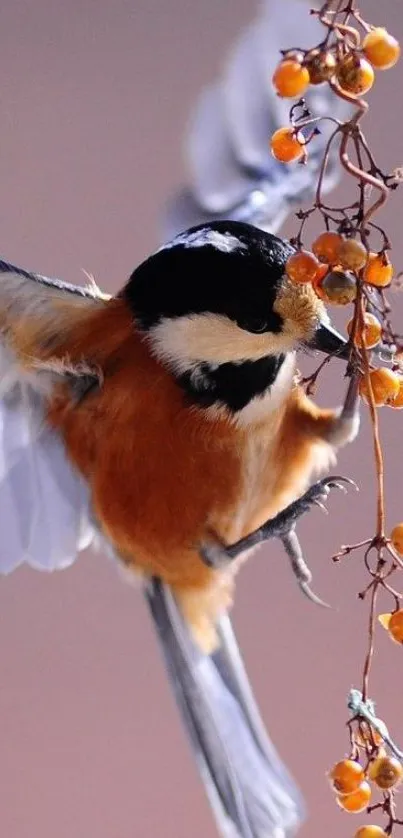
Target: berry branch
345,267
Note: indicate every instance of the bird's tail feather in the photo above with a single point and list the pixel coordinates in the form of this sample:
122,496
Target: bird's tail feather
250,791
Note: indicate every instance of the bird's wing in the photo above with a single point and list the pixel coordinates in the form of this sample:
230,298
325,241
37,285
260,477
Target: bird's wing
231,172
35,312
44,504
45,517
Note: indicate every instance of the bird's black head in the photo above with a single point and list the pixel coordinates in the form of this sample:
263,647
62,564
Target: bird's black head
218,308
227,268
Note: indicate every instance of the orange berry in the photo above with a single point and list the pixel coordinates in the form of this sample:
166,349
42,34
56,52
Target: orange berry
370,831
326,247
287,145
339,287
386,772
346,776
397,402
321,65
395,626
317,282
397,538
355,74
385,386
378,270
290,78
370,335
381,49
302,266
352,254
357,801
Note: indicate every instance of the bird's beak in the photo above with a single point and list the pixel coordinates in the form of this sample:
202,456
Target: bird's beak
326,339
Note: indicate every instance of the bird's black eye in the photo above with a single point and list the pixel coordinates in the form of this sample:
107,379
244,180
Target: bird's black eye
256,325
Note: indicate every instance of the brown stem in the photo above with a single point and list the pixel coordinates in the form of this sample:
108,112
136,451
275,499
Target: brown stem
346,549
371,633
323,167
355,13
349,31
310,380
360,104
380,532
368,152
363,177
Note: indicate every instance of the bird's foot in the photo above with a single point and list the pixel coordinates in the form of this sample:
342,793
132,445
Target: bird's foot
282,526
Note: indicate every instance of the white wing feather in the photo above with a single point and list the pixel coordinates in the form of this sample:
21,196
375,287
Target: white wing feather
216,176
44,503
246,86
45,516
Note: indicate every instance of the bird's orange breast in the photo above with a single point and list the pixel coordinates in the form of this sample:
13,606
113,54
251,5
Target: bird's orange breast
161,473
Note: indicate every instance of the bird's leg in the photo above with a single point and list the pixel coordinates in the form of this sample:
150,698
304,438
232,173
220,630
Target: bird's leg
282,526
345,425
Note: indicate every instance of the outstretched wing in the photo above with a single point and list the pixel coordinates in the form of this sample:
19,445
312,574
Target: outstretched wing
44,503
35,312
45,517
231,173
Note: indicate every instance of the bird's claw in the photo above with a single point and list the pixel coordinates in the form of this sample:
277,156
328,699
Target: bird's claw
299,567
321,490
321,506
337,483
306,590
316,495
282,526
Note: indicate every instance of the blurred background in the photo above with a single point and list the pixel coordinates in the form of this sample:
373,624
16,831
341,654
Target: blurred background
95,99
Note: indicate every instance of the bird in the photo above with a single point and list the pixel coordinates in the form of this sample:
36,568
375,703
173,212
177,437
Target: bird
154,425
166,424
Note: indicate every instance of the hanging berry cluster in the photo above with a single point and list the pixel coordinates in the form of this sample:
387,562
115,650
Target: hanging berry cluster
349,264
353,783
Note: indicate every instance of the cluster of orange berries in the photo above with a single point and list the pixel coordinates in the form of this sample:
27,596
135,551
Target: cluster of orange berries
352,71
352,783
349,780
332,265
331,269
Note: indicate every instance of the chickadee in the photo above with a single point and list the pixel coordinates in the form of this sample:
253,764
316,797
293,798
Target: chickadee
168,422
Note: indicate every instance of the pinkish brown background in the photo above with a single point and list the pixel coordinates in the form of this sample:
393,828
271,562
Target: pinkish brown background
95,96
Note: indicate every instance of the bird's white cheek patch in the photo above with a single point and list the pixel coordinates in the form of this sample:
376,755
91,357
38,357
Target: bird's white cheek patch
213,339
